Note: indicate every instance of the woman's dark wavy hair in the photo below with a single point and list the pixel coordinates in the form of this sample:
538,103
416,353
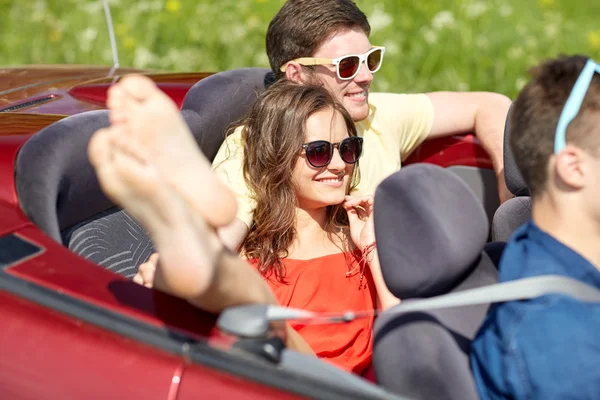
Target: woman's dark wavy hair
273,134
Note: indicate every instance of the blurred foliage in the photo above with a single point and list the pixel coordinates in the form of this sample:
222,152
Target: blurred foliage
431,45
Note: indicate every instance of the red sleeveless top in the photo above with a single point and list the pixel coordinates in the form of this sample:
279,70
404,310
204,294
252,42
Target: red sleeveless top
331,283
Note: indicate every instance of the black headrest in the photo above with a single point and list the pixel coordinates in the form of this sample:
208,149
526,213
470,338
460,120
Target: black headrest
514,180
56,184
430,230
215,103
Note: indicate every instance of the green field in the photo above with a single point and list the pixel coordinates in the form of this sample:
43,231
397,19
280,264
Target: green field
431,45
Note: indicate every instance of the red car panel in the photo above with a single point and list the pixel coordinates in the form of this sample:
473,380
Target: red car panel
47,355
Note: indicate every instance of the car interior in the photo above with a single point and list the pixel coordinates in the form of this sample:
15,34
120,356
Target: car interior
428,244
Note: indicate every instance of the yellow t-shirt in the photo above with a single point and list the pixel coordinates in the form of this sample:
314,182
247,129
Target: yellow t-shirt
397,124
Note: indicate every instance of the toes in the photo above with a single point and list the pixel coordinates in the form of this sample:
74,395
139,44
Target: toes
100,147
132,148
138,87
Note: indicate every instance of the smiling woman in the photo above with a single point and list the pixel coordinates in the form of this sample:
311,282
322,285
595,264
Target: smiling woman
313,244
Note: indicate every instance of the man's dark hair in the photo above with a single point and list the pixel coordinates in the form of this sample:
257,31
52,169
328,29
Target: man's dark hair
535,113
301,26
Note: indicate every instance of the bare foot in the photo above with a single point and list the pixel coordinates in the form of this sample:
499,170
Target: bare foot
154,126
188,247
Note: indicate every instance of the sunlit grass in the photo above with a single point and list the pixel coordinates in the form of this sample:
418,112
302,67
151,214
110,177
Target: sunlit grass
441,45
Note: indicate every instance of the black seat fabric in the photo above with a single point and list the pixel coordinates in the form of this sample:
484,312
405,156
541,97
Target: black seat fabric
216,103
494,250
509,216
514,180
514,212
56,184
58,190
111,239
431,231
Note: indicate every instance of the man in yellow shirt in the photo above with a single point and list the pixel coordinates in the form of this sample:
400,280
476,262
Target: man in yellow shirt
328,41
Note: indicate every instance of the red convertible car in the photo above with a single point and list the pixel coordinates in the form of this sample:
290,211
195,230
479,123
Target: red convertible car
73,324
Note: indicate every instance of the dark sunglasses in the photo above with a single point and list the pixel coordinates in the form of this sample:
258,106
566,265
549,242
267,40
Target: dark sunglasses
347,67
320,152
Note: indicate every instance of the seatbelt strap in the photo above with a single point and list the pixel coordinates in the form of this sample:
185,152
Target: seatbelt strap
251,320
521,289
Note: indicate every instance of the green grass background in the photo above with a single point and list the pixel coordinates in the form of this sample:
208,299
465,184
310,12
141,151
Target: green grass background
431,45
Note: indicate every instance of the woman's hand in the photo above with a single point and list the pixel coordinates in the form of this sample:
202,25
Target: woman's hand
360,216
146,271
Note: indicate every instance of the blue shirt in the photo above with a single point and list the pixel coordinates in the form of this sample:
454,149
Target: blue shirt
544,348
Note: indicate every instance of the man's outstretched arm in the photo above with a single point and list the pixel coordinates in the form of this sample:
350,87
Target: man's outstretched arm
481,112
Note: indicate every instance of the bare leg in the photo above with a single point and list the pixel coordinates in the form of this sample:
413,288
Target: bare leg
192,263
152,123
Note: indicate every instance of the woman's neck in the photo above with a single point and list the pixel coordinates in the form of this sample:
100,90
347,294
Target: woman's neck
312,238
311,219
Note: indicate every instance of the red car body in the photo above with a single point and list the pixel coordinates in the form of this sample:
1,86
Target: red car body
71,329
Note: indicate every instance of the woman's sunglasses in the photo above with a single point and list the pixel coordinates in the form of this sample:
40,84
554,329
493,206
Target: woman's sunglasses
320,152
347,67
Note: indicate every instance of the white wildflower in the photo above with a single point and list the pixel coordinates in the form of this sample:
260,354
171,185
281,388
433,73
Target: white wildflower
39,11
443,19
522,30
92,8
143,57
261,59
235,33
391,47
531,42
476,9
505,10
379,19
482,42
429,35
70,56
462,86
516,52
520,83
87,37
551,30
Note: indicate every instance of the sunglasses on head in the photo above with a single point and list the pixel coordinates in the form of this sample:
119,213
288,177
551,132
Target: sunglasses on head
573,103
347,67
320,152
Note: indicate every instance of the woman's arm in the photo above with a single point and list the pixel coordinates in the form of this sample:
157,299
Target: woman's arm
362,232
385,298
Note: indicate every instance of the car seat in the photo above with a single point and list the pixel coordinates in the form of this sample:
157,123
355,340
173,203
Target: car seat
516,211
58,190
431,232
213,105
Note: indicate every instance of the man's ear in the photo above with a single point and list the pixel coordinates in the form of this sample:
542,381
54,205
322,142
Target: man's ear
295,72
570,167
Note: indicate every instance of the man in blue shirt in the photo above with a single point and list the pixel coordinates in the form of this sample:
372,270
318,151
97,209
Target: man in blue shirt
549,347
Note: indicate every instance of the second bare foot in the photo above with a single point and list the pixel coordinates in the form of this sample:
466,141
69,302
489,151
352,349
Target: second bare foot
153,125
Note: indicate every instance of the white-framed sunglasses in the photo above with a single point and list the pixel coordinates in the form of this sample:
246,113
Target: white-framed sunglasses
346,67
